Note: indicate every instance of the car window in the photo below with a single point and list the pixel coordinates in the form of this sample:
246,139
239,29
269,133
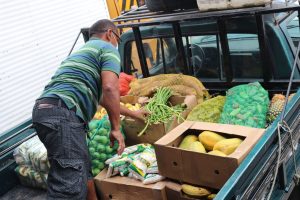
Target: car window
206,56
245,56
152,53
293,30
160,53
293,34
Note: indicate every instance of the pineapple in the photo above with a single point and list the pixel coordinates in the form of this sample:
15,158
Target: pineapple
275,109
291,96
277,97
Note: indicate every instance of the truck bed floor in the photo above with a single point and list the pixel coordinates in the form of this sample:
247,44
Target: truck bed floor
20,192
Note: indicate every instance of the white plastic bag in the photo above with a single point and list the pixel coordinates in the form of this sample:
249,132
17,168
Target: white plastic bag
38,157
21,152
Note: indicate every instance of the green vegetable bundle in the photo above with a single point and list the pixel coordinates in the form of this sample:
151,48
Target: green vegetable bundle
31,178
208,111
160,111
246,105
99,144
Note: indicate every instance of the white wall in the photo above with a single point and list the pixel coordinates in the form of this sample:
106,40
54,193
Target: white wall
35,36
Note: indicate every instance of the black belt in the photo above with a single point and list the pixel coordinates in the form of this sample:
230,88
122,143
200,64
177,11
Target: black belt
55,102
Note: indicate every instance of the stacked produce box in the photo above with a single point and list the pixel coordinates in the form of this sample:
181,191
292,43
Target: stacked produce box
33,165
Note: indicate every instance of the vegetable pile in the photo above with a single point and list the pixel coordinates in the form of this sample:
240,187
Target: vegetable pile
208,111
159,110
178,83
33,165
246,105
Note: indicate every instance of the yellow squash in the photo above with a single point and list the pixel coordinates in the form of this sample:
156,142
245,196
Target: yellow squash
217,153
209,139
187,141
197,147
228,146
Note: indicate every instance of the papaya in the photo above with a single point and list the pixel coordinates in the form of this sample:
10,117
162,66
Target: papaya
209,139
228,146
197,147
217,153
187,141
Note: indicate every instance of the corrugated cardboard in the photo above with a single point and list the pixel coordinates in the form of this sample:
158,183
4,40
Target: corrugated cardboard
121,188
200,168
154,132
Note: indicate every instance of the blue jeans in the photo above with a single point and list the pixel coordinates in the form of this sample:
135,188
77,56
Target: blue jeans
64,136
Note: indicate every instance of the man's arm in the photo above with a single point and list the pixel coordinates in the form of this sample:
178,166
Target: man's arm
111,102
140,114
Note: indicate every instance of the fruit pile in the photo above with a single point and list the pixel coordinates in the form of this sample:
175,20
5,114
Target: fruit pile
211,143
99,144
102,112
276,106
197,192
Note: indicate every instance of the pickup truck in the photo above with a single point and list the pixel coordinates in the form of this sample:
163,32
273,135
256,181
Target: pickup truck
222,49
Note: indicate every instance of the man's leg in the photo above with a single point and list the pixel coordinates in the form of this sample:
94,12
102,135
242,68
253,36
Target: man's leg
64,136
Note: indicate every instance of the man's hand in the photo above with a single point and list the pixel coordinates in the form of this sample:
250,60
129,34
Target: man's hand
117,135
141,114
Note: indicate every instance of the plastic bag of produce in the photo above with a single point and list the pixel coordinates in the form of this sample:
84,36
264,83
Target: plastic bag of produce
138,162
21,152
31,178
246,105
208,111
38,157
99,144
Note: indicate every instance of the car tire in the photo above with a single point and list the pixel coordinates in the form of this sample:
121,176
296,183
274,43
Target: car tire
169,5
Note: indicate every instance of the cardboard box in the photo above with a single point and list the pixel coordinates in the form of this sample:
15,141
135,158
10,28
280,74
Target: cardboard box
200,168
120,188
154,132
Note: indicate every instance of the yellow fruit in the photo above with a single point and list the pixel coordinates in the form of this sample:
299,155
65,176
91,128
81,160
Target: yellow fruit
211,196
217,153
209,139
228,146
195,191
197,147
187,141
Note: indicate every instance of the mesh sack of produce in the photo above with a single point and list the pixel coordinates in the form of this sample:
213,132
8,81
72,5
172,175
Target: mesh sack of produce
31,178
38,157
246,105
208,111
178,83
21,152
99,143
